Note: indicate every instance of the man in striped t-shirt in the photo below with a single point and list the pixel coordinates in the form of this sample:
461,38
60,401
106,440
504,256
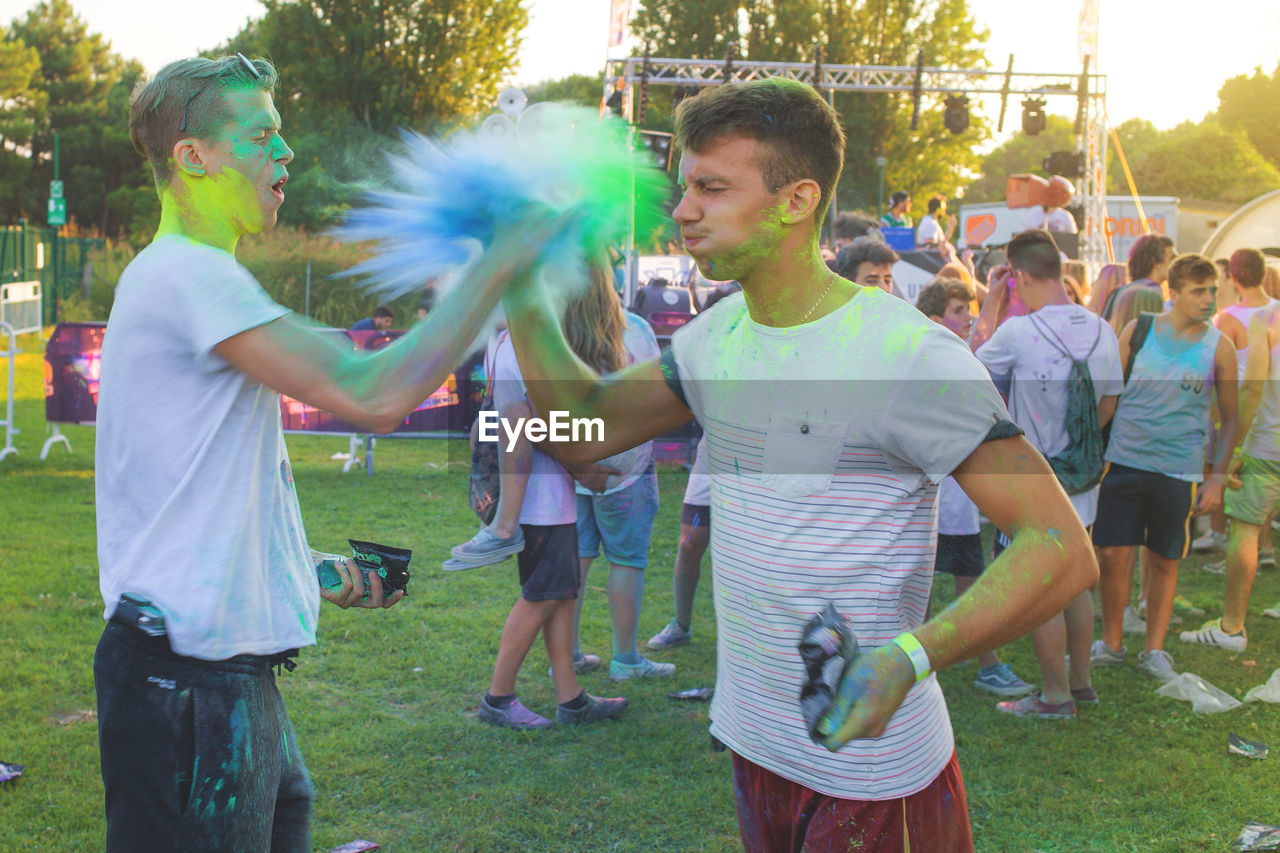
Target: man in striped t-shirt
831,413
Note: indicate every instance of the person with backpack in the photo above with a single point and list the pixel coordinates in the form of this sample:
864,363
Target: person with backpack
1065,366
1152,485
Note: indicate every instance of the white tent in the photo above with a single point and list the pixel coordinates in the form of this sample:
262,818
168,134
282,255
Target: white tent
1255,225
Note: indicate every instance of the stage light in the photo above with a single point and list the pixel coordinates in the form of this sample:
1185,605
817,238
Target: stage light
1033,116
1069,164
659,144
956,116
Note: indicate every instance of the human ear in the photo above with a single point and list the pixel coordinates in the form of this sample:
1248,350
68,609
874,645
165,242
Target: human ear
803,200
186,153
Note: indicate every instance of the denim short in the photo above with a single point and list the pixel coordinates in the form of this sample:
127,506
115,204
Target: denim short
623,521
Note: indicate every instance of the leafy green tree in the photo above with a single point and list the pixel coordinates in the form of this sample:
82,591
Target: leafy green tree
1252,104
856,32
1021,154
581,89
84,97
1205,161
20,106
352,72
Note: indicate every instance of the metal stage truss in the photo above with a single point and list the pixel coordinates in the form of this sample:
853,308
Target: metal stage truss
1087,89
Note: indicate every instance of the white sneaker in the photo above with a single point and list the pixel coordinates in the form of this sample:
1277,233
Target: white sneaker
1158,663
1211,634
1133,623
1210,541
1216,568
1266,558
672,635
1174,618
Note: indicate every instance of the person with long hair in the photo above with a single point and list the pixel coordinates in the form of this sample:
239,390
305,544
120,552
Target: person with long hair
619,519
1132,302
1110,278
548,548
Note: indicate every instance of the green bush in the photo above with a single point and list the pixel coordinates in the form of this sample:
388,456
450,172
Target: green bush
278,259
107,265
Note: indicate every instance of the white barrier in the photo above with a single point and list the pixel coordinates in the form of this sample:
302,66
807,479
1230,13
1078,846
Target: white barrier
20,306
11,353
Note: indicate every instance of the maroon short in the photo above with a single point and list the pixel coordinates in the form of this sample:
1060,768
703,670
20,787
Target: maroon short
776,815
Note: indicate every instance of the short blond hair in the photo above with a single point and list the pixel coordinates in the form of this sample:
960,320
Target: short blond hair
185,89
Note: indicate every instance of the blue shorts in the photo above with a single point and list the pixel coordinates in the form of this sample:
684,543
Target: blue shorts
623,521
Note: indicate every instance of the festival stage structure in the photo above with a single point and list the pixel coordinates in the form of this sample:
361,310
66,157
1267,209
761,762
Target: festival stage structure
624,76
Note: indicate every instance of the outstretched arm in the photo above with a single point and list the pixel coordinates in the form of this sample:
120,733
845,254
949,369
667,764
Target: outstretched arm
1049,562
376,390
635,404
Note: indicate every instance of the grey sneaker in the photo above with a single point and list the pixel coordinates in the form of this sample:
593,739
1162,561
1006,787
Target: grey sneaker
582,664
1158,663
1216,568
1210,541
1133,623
514,716
1001,681
1266,558
619,671
1100,654
672,635
595,710
484,549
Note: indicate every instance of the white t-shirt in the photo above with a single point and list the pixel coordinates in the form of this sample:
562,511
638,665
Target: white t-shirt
549,497
928,231
957,514
641,345
825,443
196,504
1038,397
1056,220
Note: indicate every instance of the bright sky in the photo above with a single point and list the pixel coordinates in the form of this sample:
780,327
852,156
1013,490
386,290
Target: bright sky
1165,62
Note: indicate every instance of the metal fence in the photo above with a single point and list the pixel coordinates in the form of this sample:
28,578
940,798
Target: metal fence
29,253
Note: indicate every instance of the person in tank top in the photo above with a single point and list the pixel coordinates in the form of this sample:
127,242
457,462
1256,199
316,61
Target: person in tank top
1155,458
1233,321
1254,479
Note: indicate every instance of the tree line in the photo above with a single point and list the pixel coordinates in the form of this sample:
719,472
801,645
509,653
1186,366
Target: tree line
354,71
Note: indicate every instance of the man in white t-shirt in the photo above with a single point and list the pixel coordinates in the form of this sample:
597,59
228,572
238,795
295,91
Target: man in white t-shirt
931,231
204,563
831,412
1038,350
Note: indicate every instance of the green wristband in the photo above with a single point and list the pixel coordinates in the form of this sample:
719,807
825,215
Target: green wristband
919,657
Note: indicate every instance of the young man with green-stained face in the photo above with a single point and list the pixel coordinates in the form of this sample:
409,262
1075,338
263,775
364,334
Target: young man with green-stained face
204,565
831,411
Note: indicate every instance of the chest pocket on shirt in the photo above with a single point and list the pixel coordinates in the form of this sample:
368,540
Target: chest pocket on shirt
800,455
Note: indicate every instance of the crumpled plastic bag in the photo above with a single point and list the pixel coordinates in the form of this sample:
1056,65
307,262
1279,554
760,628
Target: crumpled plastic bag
1269,692
1203,696
1257,836
828,648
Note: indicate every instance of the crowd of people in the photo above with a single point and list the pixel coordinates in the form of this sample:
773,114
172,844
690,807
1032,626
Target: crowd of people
826,498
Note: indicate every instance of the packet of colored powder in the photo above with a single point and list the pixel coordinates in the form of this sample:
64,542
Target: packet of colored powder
828,648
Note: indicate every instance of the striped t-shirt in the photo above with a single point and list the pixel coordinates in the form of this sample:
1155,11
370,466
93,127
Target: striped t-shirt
826,442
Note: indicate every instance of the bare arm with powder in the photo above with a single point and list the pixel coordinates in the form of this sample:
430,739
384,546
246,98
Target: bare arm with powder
1049,562
1264,332
635,404
376,390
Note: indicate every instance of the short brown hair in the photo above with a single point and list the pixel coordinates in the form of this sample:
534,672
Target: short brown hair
799,131
1035,253
1247,267
932,301
186,87
1191,268
1146,253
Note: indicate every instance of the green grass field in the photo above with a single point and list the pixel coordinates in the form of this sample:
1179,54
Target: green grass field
385,705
